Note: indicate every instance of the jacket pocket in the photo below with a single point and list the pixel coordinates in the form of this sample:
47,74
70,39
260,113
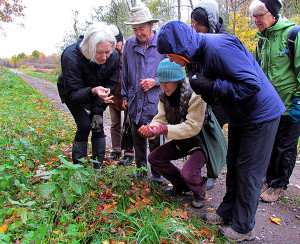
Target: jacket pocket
132,103
153,99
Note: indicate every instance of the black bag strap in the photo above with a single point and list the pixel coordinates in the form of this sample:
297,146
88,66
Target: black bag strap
291,41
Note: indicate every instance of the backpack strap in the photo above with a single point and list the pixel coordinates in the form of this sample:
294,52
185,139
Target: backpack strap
291,41
260,42
259,45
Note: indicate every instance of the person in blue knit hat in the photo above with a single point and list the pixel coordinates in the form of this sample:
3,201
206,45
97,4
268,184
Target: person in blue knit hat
180,118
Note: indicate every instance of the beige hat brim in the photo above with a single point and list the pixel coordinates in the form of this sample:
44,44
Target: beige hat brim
142,22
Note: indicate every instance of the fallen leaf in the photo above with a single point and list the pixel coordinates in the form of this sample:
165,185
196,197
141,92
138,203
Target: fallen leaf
182,214
165,241
276,220
131,200
57,232
211,209
3,228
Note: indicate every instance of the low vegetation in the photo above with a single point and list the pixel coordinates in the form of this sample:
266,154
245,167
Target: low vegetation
50,76
44,198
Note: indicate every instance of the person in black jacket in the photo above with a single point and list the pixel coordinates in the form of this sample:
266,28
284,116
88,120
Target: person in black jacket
90,73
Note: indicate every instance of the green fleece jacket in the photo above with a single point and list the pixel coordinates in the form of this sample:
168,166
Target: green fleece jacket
283,74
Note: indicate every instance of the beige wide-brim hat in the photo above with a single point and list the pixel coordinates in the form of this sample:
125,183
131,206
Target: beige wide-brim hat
140,15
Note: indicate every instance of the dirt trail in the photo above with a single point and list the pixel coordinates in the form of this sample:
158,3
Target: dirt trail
287,208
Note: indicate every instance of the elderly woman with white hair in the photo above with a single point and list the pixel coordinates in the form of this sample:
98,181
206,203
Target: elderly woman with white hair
90,72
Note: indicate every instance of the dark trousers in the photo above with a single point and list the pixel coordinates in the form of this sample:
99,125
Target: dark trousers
284,154
190,174
83,121
140,147
249,151
115,132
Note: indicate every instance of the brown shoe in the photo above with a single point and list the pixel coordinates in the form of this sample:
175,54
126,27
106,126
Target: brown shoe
214,218
235,236
272,194
264,188
199,202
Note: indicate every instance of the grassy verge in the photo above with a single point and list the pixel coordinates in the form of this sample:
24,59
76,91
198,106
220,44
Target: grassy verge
49,77
46,199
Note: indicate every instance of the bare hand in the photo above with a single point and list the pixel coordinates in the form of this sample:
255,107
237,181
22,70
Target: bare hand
103,93
108,99
147,84
124,104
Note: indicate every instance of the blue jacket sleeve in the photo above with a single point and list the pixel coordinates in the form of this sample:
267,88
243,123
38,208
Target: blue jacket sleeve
235,74
124,89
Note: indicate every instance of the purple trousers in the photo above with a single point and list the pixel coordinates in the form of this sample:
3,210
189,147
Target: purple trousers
189,175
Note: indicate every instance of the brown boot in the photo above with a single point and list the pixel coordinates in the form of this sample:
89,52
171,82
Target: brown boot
214,218
272,194
232,235
264,188
199,202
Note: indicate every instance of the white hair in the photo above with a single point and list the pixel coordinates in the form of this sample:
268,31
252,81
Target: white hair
257,5
114,29
96,33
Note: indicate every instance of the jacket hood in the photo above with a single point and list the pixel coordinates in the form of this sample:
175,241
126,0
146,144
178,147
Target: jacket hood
282,23
212,11
221,27
176,37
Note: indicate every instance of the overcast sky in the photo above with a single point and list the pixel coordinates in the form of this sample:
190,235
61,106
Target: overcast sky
46,22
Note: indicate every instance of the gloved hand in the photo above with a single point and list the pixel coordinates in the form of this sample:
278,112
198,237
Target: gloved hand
204,87
294,115
153,130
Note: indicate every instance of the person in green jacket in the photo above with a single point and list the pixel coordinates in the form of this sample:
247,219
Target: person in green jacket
284,74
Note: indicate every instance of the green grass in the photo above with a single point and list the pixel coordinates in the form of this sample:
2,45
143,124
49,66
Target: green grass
44,198
49,77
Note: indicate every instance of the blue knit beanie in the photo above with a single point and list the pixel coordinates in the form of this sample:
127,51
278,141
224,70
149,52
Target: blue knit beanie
169,71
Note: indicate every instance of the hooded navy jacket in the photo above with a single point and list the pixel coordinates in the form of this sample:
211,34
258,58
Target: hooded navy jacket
79,75
240,85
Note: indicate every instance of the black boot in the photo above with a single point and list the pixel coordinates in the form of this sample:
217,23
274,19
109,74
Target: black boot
79,150
98,151
156,177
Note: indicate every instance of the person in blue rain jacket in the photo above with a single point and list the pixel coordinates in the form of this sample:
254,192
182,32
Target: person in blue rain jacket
232,76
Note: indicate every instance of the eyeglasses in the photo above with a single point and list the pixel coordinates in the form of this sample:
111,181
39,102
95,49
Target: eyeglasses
259,16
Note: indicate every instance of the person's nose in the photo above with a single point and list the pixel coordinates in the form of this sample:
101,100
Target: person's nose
256,20
163,85
138,33
103,56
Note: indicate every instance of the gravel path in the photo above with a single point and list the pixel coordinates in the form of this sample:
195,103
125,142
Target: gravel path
287,208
